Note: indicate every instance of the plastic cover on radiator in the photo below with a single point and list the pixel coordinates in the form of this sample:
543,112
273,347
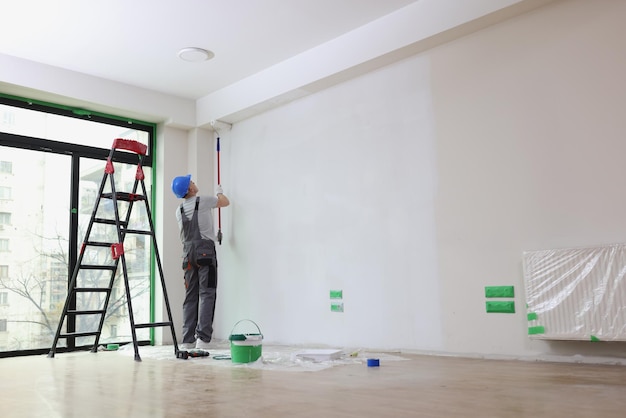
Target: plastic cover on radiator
577,293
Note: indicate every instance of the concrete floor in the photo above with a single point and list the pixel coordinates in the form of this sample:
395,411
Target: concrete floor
112,384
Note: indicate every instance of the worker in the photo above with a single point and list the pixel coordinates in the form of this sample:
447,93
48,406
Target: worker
197,234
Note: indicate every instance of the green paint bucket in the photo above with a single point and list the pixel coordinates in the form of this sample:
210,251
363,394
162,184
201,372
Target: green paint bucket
245,347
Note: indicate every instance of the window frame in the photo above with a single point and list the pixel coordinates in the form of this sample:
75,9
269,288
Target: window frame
77,151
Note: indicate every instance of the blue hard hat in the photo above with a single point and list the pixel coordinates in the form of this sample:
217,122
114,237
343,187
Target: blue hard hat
180,185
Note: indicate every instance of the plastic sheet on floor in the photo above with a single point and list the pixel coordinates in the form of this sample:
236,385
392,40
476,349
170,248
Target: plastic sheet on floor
281,358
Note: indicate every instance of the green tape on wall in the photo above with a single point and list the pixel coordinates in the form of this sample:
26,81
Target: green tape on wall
594,338
499,292
532,316
500,307
536,330
336,306
336,294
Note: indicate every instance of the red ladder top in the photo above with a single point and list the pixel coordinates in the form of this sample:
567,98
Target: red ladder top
129,145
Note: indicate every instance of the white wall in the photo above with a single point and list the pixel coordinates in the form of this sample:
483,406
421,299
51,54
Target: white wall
336,191
171,159
415,186
410,188
529,146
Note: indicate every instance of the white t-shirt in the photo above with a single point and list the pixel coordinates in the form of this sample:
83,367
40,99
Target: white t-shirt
205,216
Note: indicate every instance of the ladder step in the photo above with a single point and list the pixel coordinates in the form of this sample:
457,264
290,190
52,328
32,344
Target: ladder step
91,289
98,244
126,197
92,312
126,231
79,334
137,231
154,324
97,267
108,221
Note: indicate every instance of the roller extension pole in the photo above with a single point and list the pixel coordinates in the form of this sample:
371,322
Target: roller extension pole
219,210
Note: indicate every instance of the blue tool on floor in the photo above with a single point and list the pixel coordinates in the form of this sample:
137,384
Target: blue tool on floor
373,362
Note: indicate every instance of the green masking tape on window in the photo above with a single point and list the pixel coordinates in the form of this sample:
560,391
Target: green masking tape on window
532,316
500,307
536,330
81,112
499,292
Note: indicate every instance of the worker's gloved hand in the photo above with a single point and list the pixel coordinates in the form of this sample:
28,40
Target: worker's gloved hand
219,190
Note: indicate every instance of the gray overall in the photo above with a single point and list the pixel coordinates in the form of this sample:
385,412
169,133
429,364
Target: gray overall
200,265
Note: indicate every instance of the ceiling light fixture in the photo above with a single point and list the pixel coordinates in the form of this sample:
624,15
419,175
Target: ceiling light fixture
193,54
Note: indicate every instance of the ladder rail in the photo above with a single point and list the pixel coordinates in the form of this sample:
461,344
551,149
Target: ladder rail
109,173
121,235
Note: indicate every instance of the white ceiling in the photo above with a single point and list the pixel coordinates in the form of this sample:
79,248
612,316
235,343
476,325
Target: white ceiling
136,41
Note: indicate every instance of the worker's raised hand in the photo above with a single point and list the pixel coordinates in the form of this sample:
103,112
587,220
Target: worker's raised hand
219,190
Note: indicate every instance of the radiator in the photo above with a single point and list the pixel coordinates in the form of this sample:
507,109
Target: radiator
577,293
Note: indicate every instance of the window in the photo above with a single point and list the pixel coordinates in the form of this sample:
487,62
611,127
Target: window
4,298
7,120
5,192
52,161
38,121
4,272
6,167
3,325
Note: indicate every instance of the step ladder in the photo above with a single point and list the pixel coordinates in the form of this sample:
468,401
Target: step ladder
109,267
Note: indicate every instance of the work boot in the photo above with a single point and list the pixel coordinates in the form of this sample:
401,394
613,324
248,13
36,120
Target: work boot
201,345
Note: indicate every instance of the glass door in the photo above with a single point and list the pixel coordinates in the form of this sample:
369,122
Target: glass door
52,162
34,229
